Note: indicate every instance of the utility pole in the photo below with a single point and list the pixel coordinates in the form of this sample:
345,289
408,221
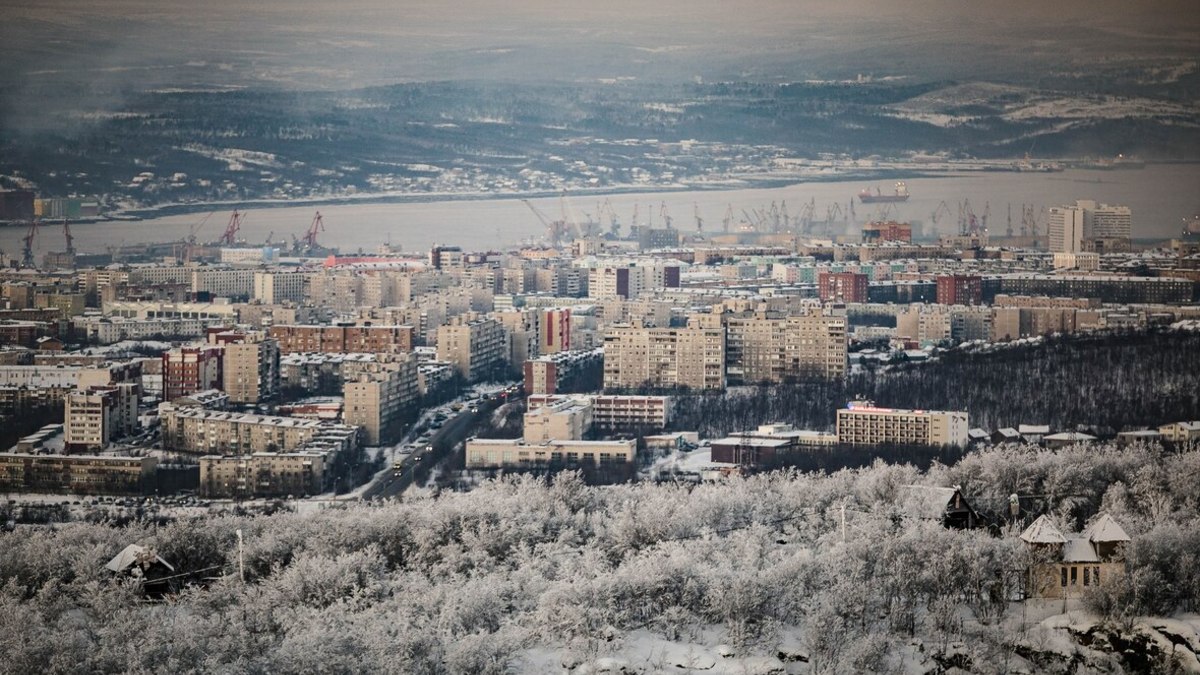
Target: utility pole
843,509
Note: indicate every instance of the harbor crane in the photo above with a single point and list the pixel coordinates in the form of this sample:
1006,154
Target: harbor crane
696,214
310,237
229,238
667,219
728,220
942,210
27,240
555,229
68,236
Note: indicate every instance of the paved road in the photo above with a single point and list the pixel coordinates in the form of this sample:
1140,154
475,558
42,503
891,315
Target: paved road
455,430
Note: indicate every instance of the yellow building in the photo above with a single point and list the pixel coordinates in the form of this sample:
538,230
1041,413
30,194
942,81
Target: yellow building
862,423
665,358
501,453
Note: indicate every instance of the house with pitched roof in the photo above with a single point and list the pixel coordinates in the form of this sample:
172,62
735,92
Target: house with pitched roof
945,505
1067,565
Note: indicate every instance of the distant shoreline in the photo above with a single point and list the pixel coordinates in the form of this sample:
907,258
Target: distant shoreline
766,182
410,198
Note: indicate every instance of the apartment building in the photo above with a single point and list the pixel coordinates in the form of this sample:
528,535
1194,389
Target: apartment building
929,324
187,370
200,431
77,474
959,289
616,413
887,231
476,347
343,339
96,416
379,398
555,333
767,347
523,333
110,330
561,371
842,287
1106,288
263,474
863,423
489,453
564,419
250,370
223,282
630,280
692,357
278,287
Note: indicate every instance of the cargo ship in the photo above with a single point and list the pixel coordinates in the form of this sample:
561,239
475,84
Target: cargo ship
899,195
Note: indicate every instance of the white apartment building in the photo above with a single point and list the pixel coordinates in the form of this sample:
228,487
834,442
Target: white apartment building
1065,229
224,283
277,287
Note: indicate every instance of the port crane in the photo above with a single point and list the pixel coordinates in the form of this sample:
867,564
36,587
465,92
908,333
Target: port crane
229,238
614,224
728,220
27,240
696,214
68,236
942,210
309,241
807,212
667,219
555,229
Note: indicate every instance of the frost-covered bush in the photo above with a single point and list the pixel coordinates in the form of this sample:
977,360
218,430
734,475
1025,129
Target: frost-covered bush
467,582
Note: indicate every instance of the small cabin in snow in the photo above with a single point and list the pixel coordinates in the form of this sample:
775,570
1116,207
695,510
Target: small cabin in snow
1068,565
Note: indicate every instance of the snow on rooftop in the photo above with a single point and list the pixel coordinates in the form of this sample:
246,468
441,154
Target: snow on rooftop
1105,529
1043,531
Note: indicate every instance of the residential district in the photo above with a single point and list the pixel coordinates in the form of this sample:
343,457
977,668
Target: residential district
232,372
229,371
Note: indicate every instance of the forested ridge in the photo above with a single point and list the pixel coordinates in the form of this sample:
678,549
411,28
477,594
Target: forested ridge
1107,382
493,580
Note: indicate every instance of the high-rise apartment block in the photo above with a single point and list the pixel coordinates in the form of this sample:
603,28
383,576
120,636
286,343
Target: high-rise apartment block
1088,225
187,370
692,357
767,347
555,334
476,347
250,372
380,397
1065,229
98,415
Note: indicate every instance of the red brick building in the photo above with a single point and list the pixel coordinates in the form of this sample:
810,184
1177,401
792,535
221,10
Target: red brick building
842,286
960,289
876,233
188,370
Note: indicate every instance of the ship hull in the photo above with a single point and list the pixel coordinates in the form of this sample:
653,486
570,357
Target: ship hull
882,199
